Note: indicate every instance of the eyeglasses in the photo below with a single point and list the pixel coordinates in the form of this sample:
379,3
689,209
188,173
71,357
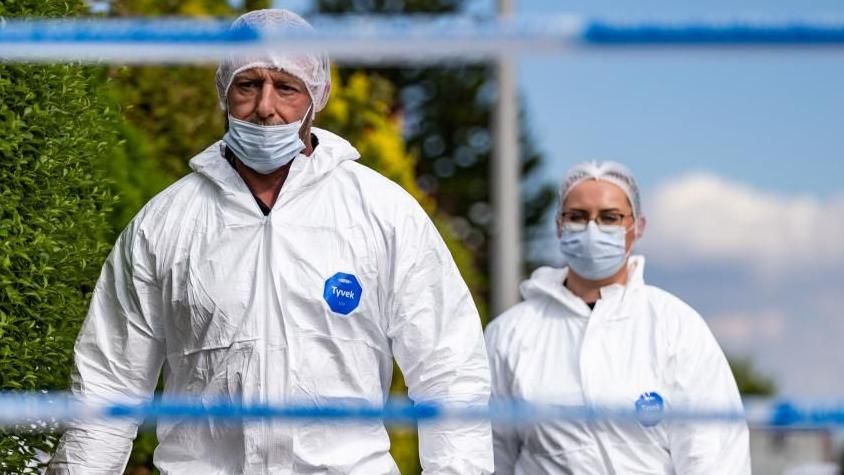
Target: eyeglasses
606,220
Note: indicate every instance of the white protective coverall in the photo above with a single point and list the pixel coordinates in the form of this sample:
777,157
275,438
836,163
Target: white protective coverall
309,304
552,349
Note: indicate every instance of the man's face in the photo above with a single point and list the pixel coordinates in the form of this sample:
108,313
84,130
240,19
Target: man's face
600,199
268,97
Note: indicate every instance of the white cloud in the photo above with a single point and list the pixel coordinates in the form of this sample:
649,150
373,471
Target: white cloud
798,349
705,232
701,217
742,330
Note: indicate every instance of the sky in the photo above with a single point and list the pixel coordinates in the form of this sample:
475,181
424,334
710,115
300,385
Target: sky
740,157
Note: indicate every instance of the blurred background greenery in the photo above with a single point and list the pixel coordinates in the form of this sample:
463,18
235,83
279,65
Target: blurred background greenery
85,147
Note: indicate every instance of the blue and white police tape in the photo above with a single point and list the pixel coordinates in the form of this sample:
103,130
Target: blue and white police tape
34,411
378,39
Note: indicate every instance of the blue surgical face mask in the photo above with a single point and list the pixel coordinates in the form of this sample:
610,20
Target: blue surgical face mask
264,148
594,253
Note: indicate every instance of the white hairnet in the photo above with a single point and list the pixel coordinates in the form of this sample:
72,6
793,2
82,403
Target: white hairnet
611,172
312,69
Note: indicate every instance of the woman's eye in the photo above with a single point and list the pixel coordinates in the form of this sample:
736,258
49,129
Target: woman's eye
611,218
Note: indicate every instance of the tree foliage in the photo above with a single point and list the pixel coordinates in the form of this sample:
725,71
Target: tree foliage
750,381
173,114
359,111
74,137
54,204
448,112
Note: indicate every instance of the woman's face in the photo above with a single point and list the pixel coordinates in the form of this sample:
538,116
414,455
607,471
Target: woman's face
594,198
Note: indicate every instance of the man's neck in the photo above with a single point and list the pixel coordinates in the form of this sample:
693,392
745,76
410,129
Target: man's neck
590,290
267,187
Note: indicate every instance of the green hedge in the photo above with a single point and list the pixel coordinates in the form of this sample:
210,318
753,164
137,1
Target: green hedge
54,209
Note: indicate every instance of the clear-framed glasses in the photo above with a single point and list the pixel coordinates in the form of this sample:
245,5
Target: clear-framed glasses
605,220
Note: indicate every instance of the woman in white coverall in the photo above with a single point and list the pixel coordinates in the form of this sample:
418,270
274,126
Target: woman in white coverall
279,271
594,334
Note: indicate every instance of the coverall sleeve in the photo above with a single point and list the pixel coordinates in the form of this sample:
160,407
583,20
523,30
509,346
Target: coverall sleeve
118,356
506,440
706,383
436,338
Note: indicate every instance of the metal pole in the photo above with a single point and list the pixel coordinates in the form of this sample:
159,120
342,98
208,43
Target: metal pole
506,267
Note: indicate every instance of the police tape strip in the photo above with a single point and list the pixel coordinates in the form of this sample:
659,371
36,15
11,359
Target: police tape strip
46,411
379,39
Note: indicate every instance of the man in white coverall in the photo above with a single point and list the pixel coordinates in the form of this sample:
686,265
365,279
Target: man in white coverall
279,271
594,334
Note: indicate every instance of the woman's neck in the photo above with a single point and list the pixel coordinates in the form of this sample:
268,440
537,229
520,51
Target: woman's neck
590,290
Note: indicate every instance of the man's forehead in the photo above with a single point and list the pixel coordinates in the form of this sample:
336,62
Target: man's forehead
275,74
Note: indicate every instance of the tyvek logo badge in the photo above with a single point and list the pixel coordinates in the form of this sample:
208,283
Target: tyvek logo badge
342,293
649,409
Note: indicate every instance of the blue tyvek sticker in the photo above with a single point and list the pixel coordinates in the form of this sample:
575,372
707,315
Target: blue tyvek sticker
342,293
649,409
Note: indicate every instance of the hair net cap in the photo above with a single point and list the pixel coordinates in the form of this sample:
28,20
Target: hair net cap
312,69
611,172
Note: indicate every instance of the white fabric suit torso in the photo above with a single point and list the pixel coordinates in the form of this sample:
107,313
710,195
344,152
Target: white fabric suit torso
552,348
242,307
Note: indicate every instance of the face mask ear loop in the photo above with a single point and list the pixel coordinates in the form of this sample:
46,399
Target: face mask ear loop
227,112
636,235
305,120
307,117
